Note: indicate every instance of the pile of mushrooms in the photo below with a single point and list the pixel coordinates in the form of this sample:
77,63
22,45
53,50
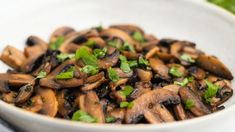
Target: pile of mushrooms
117,75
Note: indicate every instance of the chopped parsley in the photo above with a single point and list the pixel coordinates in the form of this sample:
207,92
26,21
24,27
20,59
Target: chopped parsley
187,58
41,74
184,82
175,72
126,91
83,117
128,47
211,91
87,58
124,64
143,61
55,45
99,53
138,37
112,74
110,119
189,103
63,56
89,69
126,104
67,74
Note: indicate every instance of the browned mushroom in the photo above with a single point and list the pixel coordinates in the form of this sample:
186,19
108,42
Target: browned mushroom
160,68
24,93
90,103
17,80
143,103
61,31
13,57
35,104
213,65
50,104
198,109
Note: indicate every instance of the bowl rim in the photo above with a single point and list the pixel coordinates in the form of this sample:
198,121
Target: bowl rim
57,121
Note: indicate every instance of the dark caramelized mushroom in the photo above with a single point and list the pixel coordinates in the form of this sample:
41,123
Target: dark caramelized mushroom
214,66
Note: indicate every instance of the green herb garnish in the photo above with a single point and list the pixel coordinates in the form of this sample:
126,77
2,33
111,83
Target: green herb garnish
184,82
63,56
99,53
113,76
126,104
83,117
138,37
110,119
187,58
126,91
55,45
175,72
189,103
89,69
211,91
41,74
90,43
87,58
67,74
143,61
128,47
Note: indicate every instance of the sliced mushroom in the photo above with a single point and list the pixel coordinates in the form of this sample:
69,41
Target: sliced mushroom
4,87
36,104
214,66
91,105
64,107
17,80
152,117
197,73
180,112
144,75
109,60
13,57
160,68
61,31
24,93
198,109
50,104
143,103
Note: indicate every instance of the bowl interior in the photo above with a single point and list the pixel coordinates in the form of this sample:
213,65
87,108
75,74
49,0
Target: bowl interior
181,19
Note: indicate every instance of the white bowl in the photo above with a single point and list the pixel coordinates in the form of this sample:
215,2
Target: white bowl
213,30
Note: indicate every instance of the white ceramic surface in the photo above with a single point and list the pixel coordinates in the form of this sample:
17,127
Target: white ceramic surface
211,28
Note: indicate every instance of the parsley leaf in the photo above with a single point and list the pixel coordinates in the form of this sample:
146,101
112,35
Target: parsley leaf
126,91
89,69
124,64
189,103
87,58
83,116
143,61
138,37
128,47
67,74
187,58
184,82
110,119
175,72
113,75
211,91
41,74
99,53
55,45
63,56
126,104
90,43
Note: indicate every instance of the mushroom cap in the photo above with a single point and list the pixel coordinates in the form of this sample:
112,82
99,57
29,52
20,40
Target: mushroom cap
142,103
